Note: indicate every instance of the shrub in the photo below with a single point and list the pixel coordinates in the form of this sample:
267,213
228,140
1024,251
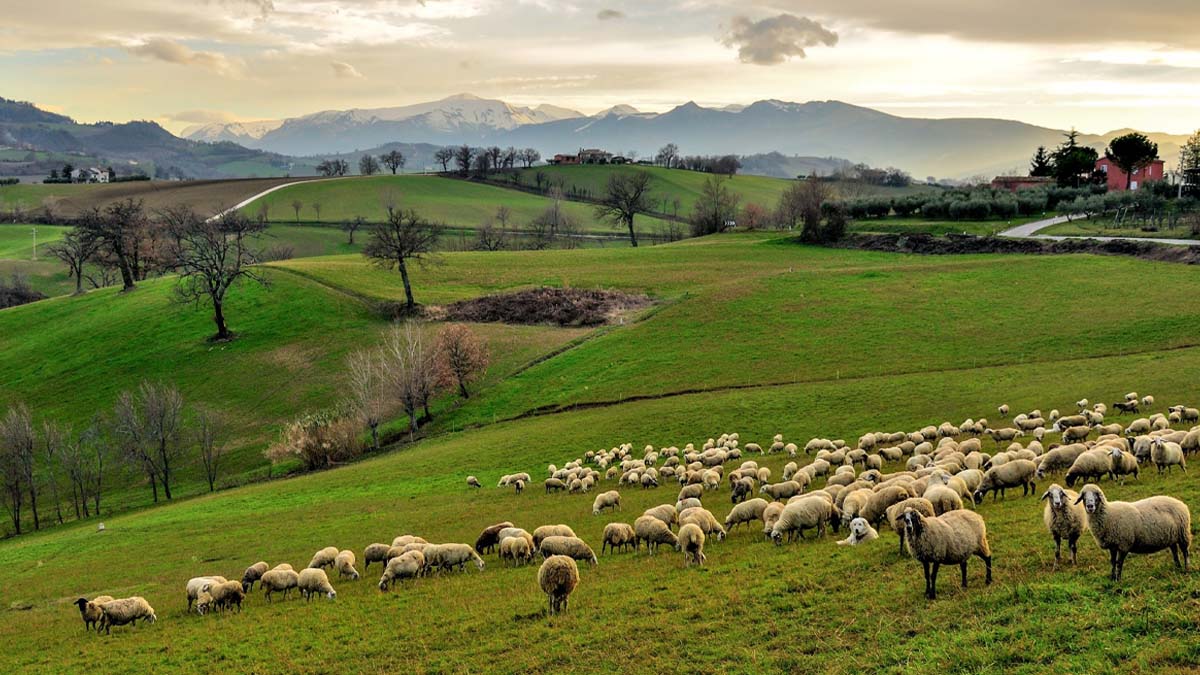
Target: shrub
879,207
1004,208
318,440
934,208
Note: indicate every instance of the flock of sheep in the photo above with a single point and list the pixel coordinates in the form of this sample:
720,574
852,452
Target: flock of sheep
945,468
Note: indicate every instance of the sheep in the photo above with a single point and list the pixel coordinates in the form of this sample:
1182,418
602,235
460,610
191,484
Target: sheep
691,542
252,574
606,500
745,512
197,584
1075,434
695,490
406,539
226,594
375,553
554,485
653,532
807,513
664,512
1131,396
618,535
998,479
1064,519
1089,465
860,531
1145,526
490,537
324,558
512,478
741,489
896,511
125,611
558,577
1127,406
573,547
344,564
408,566
551,531
781,491
1123,464
279,581
1166,454
770,516
943,499
447,556
1003,409
472,481
703,518
313,581
1058,459
687,504
89,610
949,539
518,550
876,507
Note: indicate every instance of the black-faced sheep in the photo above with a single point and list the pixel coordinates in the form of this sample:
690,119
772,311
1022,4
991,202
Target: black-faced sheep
1064,519
89,610
1145,526
896,511
949,539
558,577
691,542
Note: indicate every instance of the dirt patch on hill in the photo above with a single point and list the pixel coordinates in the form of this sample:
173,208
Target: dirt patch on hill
926,244
568,307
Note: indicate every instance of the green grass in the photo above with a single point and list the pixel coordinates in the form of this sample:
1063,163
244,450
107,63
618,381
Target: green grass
450,201
16,241
46,274
1105,228
897,225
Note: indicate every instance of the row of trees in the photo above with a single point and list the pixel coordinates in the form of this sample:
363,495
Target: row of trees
149,431
479,162
1074,165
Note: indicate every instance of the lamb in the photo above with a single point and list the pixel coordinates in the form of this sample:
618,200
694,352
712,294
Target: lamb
554,531
691,542
1064,518
606,500
1123,464
226,594
653,532
803,514
279,581
313,581
518,550
324,558
1166,454
618,535
860,531
197,584
408,566
1145,526
949,539
782,491
558,577
90,610
895,513
519,486
999,478
125,611
572,547
447,556
746,512
487,540
1089,465
344,564
472,481
375,553
252,574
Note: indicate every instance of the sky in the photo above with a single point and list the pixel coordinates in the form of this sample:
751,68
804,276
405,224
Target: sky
1096,65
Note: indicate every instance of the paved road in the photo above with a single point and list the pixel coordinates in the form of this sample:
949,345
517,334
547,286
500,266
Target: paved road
1029,231
268,191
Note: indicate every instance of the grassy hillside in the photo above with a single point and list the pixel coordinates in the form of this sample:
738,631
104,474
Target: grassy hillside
753,334
453,202
44,274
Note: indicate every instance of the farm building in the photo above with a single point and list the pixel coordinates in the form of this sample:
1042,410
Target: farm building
1014,183
1117,180
590,156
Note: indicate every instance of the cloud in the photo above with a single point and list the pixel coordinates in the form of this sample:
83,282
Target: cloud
202,117
773,41
345,71
610,14
164,49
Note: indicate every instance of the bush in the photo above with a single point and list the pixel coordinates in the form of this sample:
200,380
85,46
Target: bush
318,440
1004,208
9,181
858,209
934,208
18,292
1031,202
879,207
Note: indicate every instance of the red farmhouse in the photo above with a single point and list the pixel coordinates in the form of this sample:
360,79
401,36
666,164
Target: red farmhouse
1117,179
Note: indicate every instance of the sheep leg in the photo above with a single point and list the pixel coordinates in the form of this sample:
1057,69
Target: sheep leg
963,566
933,581
928,588
1121,563
987,561
1058,550
1175,555
1074,540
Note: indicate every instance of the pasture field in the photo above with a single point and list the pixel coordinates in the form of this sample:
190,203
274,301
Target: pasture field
454,202
752,333
1104,228
897,225
46,274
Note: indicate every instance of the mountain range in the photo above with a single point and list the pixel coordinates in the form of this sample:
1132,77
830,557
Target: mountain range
955,147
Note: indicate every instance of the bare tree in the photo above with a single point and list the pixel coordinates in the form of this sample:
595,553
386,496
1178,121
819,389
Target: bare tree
368,165
367,378
483,164
462,357
296,206
410,369
503,215
17,441
405,236
353,225
82,461
625,195
210,443
463,157
211,257
54,439
668,155
119,230
529,157
495,157
393,160
75,250
489,237
316,207
444,156
149,423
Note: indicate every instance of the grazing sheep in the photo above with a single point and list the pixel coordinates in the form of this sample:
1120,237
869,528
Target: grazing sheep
448,556
949,539
653,531
691,542
860,531
664,512
1166,454
558,577
1064,518
606,500
408,566
344,564
1127,406
554,485
1075,434
324,558
1092,464
741,489
782,491
748,511
279,581
554,531
688,503
998,479
490,537
516,550
375,553
472,481
943,499
1123,464
313,581
690,491
1059,459
89,610
808,513
572,547
770,516
618,535
877,504
227,594
197,584
125,611
1145,526
252,574
895,513
704,519
1003,409
406,539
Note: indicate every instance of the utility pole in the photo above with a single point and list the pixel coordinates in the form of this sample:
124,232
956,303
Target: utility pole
35,243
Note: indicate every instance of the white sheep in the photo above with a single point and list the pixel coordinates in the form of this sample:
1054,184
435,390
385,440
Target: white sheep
558,577
124,611
1064,519
324,558
1145,526
949,539
344,564
407,566
691,542
1165,454
312,581
606,500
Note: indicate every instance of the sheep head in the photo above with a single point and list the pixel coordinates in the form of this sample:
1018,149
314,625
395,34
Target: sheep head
1092,497
1056,495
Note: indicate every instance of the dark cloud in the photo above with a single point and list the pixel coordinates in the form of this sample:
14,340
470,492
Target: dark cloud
775,40
610,14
